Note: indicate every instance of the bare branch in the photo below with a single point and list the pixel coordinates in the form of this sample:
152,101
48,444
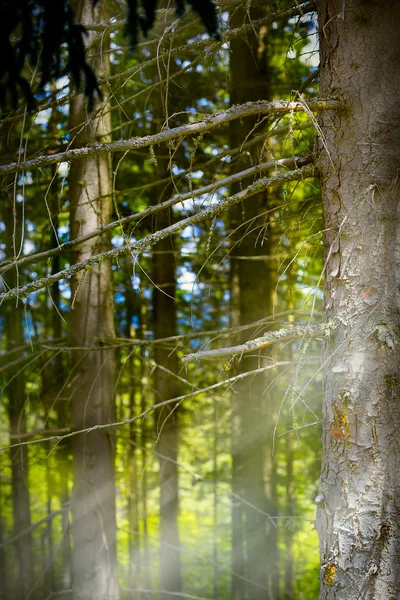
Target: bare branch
206,46
35,526
167,135
270,337
58,438
207,189
138,247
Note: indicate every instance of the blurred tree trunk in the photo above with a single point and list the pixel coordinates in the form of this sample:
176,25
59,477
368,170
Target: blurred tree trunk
289,524
94,565
253,464
4,594
133,491
23,566
358,515
52,370
166,385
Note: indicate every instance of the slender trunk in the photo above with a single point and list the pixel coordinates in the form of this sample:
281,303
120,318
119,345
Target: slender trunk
23,566
48,534
57,374
253,464
215,500
144,484
52,370
94,565
133,493
237,557
358,515
146,580
3,562
166,386
289,530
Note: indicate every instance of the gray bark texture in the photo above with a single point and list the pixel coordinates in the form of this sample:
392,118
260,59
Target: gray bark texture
94,568
358,517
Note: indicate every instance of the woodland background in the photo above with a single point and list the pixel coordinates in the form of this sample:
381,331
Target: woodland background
214,492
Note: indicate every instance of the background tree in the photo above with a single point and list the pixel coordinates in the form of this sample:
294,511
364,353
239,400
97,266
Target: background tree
93,369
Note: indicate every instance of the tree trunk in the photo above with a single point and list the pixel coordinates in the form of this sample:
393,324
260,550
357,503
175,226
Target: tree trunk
166,386
358,515
290,509
93,502
23,573
132,467
3,565
253,464
144,437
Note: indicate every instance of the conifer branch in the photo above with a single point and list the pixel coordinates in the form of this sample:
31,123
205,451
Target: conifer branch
139,246
299,161
103,426
270,337
278,107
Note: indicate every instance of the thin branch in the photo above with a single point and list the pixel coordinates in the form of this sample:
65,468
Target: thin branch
270,337
167,135
205,47
58,438
43,433
138,247
301,9
216,332
35,526
19,361
298,161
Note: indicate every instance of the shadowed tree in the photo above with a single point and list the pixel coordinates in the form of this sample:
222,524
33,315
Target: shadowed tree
254,537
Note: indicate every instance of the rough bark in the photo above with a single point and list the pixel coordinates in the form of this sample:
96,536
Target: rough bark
358,517
252,440
92,396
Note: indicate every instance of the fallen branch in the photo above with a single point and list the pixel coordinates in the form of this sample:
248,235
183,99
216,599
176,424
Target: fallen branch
138,247
271,337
